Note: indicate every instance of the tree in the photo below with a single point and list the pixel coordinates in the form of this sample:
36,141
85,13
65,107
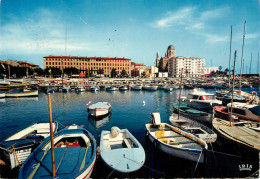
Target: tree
54,71
113,73
71,71
220,68
39,71
100,72
123,73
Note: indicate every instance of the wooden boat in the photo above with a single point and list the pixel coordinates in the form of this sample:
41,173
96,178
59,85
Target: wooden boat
121,151
75,156
19,146
237,133
21,93
201,100
99,109
244,111
193,127
175,141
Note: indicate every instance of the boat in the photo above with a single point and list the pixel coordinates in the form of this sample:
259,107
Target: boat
193,127
19,146
80,88
175,141
5,83
66,88
167,88
201,100
74,151
189,112
237,133
150,87
21,93
94,88
99,109
244,111
2,95
111,88
236,98
137,87
123,88
121,151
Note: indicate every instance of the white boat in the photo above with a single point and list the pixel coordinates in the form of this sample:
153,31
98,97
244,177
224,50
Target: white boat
123,88
99,109
201,100
80,88
5,83
174,141
111,88
150,87
16,94
66,89
24,142
193,127
121,151
2,95
167,88
137,87
94,88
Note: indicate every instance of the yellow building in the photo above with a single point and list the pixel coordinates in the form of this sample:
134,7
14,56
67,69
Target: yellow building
92,64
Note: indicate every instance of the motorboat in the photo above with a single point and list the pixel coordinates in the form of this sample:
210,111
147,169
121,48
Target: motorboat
19,146
193,127
137,87
244,111
236,98
150,87
66,88
99,109
121,151
94,88
167,88
175,141
80,88
111,88
21,93
74,152
201,100
123,88
2,95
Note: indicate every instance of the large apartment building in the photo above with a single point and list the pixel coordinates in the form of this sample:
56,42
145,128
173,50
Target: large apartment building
93,64
192,67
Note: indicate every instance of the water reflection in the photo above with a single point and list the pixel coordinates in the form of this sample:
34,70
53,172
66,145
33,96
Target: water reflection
23,99
97,123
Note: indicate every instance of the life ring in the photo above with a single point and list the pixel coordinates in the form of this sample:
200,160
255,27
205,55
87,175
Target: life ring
254,92
238,92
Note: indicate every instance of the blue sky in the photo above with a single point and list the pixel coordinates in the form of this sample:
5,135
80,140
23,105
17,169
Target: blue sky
135,29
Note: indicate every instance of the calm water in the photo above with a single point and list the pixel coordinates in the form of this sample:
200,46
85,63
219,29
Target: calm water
128,112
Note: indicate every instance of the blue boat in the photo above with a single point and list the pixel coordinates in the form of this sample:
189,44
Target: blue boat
236,98
75,155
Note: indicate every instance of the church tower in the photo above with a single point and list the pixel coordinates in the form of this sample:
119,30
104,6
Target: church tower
170,51
157,59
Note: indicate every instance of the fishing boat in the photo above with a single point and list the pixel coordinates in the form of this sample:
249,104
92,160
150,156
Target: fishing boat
2,95
21,93
99,109
123,88
137,87
19,146
121,151
74,152
150,87
244,111
201,100
175,141
94,88
193,127
237,133
189,112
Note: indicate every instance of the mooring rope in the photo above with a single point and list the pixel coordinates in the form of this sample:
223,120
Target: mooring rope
197,163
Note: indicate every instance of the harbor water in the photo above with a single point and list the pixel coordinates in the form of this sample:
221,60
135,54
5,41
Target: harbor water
131,110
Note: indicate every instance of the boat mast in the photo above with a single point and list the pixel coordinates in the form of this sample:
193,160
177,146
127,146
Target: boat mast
233,85
250,64
242,60
229,58
180,96
52,142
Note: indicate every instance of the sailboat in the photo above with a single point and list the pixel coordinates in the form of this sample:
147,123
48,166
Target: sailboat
235,132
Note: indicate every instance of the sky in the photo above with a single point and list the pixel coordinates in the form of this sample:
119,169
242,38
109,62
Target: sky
134,29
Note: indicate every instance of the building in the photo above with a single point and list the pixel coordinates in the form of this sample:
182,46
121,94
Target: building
192,67
208,70
90,65
20,64
138,69
162,63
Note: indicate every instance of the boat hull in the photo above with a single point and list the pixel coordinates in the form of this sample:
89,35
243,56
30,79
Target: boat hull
22,94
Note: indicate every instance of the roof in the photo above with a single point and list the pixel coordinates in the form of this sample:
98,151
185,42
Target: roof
78,57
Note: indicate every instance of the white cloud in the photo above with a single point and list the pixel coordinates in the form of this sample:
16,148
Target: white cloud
214,13
252,36
210,38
